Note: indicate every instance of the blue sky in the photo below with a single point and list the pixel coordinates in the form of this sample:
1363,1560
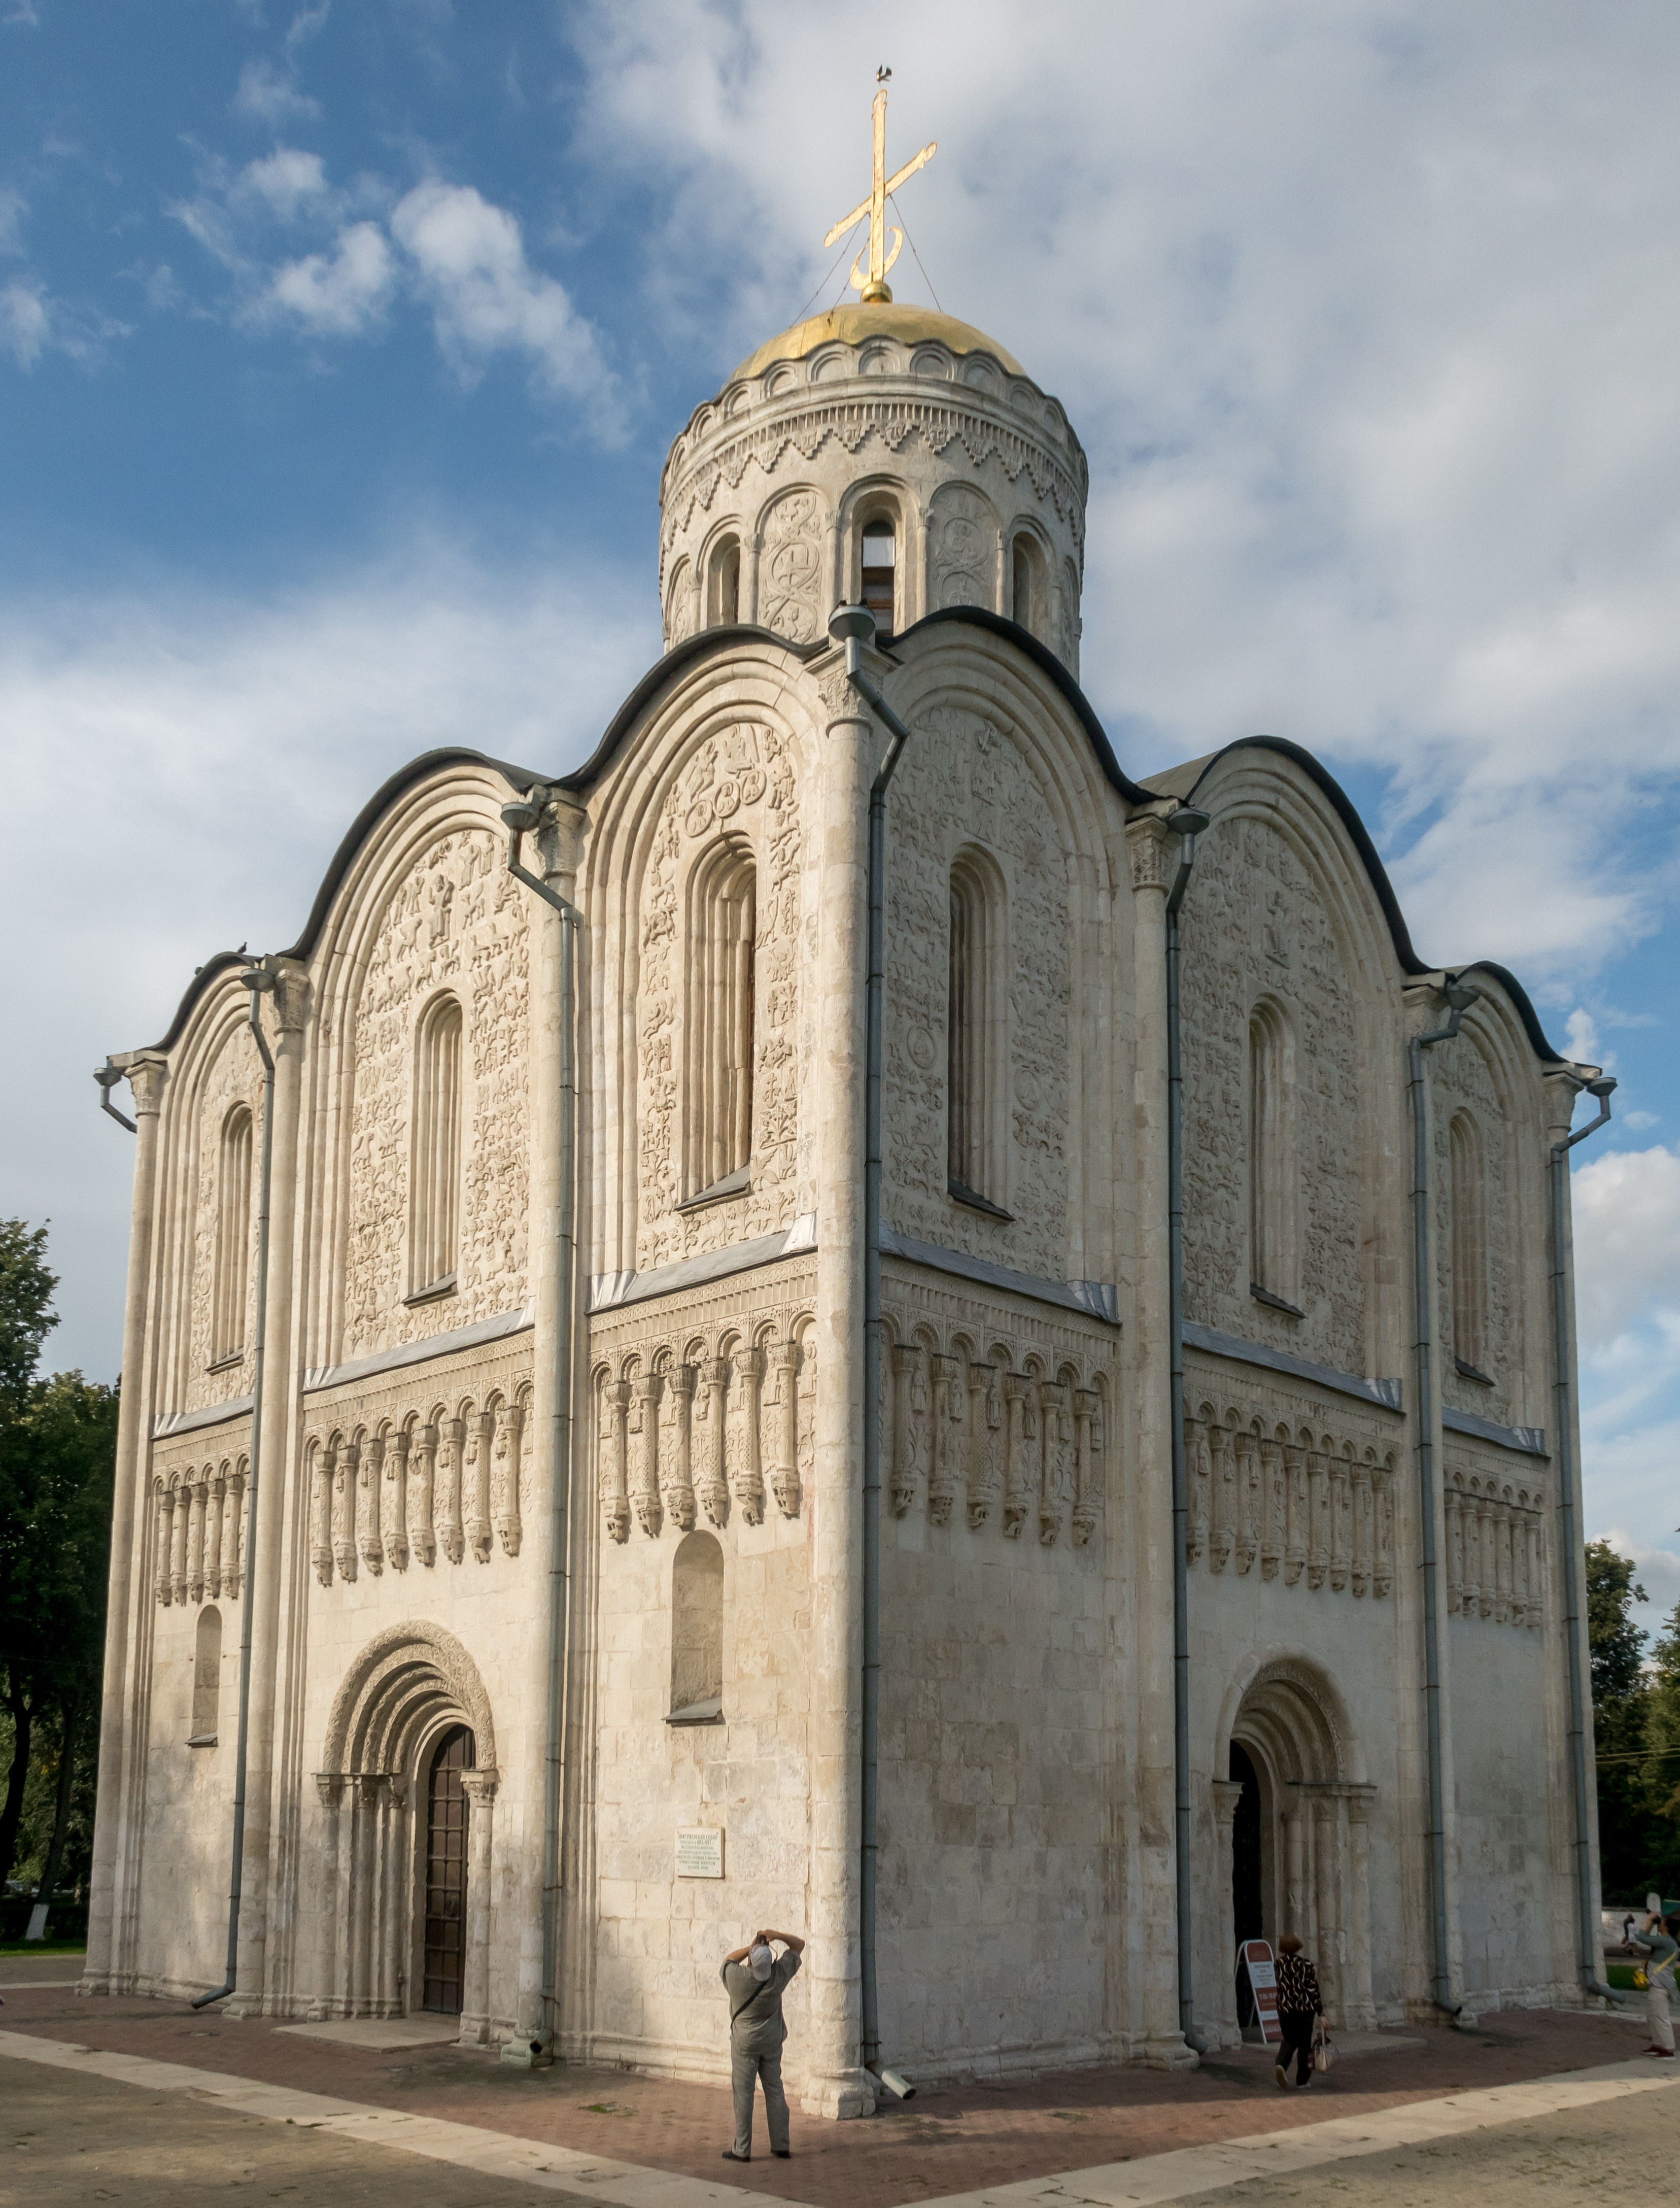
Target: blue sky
340,348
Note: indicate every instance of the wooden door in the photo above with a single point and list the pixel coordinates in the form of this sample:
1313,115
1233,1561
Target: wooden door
445,1929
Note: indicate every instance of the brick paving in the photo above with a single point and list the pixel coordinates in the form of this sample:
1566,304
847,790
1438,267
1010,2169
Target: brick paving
950,2140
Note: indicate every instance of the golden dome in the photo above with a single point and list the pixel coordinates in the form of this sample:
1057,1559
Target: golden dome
851,324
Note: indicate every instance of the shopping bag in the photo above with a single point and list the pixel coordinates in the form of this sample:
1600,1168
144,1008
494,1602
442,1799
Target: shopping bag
1323,2048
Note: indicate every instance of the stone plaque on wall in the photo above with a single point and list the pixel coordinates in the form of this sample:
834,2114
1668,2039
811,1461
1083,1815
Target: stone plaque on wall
700,1852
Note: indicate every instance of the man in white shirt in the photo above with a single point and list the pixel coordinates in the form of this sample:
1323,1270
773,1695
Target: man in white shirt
755,1978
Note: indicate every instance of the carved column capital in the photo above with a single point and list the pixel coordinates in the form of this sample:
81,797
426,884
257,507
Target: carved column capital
479,1786
1226,1793
1152,849
146,1072
290,995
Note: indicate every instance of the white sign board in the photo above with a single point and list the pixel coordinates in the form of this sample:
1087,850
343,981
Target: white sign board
700,1852
1255,1956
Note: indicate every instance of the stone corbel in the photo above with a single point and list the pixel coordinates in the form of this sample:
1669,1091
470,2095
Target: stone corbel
504,1478
746,1482
1318,1518
164,1498
480,1427
985,1443
447,1493
1362,1525
941,1473
1086,1462
345,1460
1018,1483
1058,1453
615,1466
423,1472
393,1514
676,1478
368,1486
321,1514
1249,1497
909,1418
714,1490
1338,1523
214,1503
1294,1538
1272,1505
643,1470
784,1359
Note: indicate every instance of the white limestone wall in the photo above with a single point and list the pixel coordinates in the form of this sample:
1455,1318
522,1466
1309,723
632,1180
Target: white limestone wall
990,1940
1513,1888
659,1939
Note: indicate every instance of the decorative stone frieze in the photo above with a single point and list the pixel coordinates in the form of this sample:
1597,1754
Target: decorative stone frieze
199,1522
1292,1496
1496,1543
705,1406
996,1412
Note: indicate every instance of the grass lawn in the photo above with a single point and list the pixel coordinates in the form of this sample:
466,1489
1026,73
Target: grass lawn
43,1947
1620,1974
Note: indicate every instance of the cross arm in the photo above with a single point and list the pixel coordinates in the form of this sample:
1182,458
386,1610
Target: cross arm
909,169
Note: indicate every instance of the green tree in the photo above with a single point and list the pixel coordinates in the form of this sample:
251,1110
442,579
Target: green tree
1620,1699
57,1447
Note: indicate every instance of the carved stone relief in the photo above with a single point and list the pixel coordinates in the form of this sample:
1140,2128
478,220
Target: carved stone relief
964,538
1289,1497
1496,1542
456,921
1009,1420
740,783
790,565
423,1469
966,781
1257,927
201,1514
235,1078
704,1407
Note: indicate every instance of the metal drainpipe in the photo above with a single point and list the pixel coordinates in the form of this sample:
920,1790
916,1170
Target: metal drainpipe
853,627
520,817
1460,996
258,980
1575,1602
1189,821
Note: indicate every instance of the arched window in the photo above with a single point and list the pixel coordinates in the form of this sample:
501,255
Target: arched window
1271,1169
697,1630
977,1037
1027,585
434,1194
879,576
723,584
723,924
1469,1246
233,1231
206,1678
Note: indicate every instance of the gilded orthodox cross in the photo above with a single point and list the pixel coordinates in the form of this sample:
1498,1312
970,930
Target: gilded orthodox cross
875,206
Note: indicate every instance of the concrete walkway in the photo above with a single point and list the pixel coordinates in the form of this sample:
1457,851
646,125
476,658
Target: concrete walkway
1111,2138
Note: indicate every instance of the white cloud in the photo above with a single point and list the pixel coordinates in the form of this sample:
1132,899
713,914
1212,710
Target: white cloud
486,299
217,748
1657,1569
13,208
1365,313
25,323
1626,1237
340,297
268,94
1582,1033
286,181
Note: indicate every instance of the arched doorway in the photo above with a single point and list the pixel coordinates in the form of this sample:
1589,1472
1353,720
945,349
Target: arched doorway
407,1786
443,1922
1293,1823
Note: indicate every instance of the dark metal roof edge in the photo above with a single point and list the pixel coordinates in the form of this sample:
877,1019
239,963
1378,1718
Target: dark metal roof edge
518,778
663,670
1046,662
1317,772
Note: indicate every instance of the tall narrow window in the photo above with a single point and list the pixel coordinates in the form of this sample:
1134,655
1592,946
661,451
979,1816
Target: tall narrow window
1469,1246
697,1630
206,1678
1027,596
1271,1178
880,572
720,1023
233,1234
434,1196
976,1038
723,584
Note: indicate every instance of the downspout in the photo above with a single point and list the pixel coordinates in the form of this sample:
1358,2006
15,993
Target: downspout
1460,996
258,980
1574,1598
855,627
1189,821
520,817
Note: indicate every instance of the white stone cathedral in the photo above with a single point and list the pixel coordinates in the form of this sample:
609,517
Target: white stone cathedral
554,1581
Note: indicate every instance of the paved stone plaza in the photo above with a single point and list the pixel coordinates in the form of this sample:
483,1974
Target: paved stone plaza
1535,2105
